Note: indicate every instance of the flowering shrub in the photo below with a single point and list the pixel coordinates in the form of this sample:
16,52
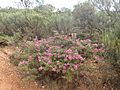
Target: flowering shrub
60,56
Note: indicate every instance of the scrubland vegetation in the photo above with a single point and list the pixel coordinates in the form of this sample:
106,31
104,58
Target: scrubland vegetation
69,47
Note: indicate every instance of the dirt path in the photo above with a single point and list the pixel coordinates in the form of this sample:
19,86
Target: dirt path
9,79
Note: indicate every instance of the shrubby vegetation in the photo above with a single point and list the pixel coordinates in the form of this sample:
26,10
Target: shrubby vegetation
58,58
64,39
60,55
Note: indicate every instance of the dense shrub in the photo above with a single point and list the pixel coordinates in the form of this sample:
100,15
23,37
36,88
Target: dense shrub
31,22
27,22
58,57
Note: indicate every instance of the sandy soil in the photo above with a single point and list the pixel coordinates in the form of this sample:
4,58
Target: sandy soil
9,79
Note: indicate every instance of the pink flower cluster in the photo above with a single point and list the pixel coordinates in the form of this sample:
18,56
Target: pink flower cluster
96,50
23,63
53,56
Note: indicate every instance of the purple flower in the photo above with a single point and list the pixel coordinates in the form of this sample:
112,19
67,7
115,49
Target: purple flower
40,68
66,66
49,62
59,56
39,58
95,45
23,63
87,41
69,51
76,66
67,58
95,50
49,54
30,58
48,50
46,58
79,57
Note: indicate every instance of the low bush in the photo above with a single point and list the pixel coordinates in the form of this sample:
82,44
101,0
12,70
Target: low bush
5,40
58,57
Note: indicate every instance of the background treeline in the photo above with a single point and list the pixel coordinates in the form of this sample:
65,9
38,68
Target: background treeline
99,19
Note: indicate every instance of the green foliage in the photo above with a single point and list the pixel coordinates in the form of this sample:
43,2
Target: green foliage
84,16
41,21
5,40
19,27
61,22
112,43
58,57
24,22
